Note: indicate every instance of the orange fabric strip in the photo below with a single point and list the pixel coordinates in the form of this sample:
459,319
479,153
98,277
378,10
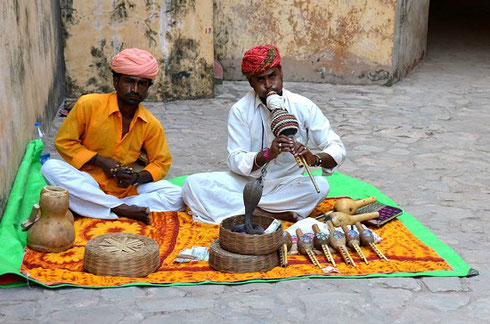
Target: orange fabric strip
176,231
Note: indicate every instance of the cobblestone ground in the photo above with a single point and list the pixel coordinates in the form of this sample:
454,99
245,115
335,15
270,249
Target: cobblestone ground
424,141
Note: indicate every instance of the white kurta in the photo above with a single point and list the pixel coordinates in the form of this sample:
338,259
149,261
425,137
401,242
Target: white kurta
215,196
87,199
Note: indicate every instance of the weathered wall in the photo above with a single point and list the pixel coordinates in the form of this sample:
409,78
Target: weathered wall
31,78
178,32
410,42
321,41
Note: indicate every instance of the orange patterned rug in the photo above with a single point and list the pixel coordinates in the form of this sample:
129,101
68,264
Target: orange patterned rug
176,231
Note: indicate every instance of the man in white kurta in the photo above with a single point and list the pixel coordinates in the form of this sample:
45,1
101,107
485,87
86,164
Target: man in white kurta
215,196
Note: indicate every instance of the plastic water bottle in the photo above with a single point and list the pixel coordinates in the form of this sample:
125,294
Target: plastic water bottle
45,155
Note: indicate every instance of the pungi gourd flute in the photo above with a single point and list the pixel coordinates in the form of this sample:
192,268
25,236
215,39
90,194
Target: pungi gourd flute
337,241
305,247
367,238
354,242
321,243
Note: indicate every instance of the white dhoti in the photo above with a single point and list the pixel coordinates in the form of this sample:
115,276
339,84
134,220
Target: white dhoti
215,196
87,199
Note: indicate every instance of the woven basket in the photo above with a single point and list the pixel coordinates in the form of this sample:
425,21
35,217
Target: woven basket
225,261
249,244
121,254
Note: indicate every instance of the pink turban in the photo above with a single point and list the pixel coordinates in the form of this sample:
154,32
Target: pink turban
260,58
135,62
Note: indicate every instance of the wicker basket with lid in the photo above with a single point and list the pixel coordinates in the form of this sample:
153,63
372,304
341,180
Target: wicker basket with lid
246,243
121,254
225,261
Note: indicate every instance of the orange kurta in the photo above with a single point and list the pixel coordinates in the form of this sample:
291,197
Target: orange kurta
94,126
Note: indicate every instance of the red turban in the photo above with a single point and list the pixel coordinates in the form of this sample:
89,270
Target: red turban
135,62
260,58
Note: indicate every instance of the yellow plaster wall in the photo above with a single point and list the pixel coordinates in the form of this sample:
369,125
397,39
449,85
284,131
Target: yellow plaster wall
179,33
31,78
321,41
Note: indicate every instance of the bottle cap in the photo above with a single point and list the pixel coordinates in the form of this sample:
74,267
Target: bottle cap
37,124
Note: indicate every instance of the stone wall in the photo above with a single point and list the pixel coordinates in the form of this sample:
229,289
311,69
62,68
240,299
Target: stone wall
349,42
31,78
410,42
178,32
321,41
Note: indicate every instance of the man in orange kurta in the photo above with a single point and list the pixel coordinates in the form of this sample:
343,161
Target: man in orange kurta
106,131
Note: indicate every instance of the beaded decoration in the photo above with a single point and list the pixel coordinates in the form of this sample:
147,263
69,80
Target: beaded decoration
353,234
322,236
283,123
307,238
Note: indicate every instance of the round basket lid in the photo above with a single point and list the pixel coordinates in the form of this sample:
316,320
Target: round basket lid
121,254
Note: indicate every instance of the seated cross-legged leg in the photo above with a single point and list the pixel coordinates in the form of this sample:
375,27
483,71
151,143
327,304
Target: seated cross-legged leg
294,200
86,197
215,196
157,196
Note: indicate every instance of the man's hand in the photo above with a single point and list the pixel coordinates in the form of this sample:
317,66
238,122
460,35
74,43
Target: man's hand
106,164
300,149
280,144
124,175
125,179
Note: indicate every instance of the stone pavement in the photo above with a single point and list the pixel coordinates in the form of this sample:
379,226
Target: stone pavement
425,142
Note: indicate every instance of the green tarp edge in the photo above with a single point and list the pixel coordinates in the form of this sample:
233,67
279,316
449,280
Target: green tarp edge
29,182
342,185
24,193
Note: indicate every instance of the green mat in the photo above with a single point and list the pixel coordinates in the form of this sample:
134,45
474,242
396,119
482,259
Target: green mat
29,182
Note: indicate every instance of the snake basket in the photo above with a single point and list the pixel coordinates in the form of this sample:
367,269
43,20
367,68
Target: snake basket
225,261
249,244
121,254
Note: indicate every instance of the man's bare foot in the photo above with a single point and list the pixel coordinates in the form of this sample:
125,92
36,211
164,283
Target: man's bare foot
285,216
141,214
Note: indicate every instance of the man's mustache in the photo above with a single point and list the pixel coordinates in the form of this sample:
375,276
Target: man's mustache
133,94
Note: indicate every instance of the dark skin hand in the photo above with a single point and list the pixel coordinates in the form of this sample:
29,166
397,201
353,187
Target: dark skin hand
105,163
296,149
124,180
